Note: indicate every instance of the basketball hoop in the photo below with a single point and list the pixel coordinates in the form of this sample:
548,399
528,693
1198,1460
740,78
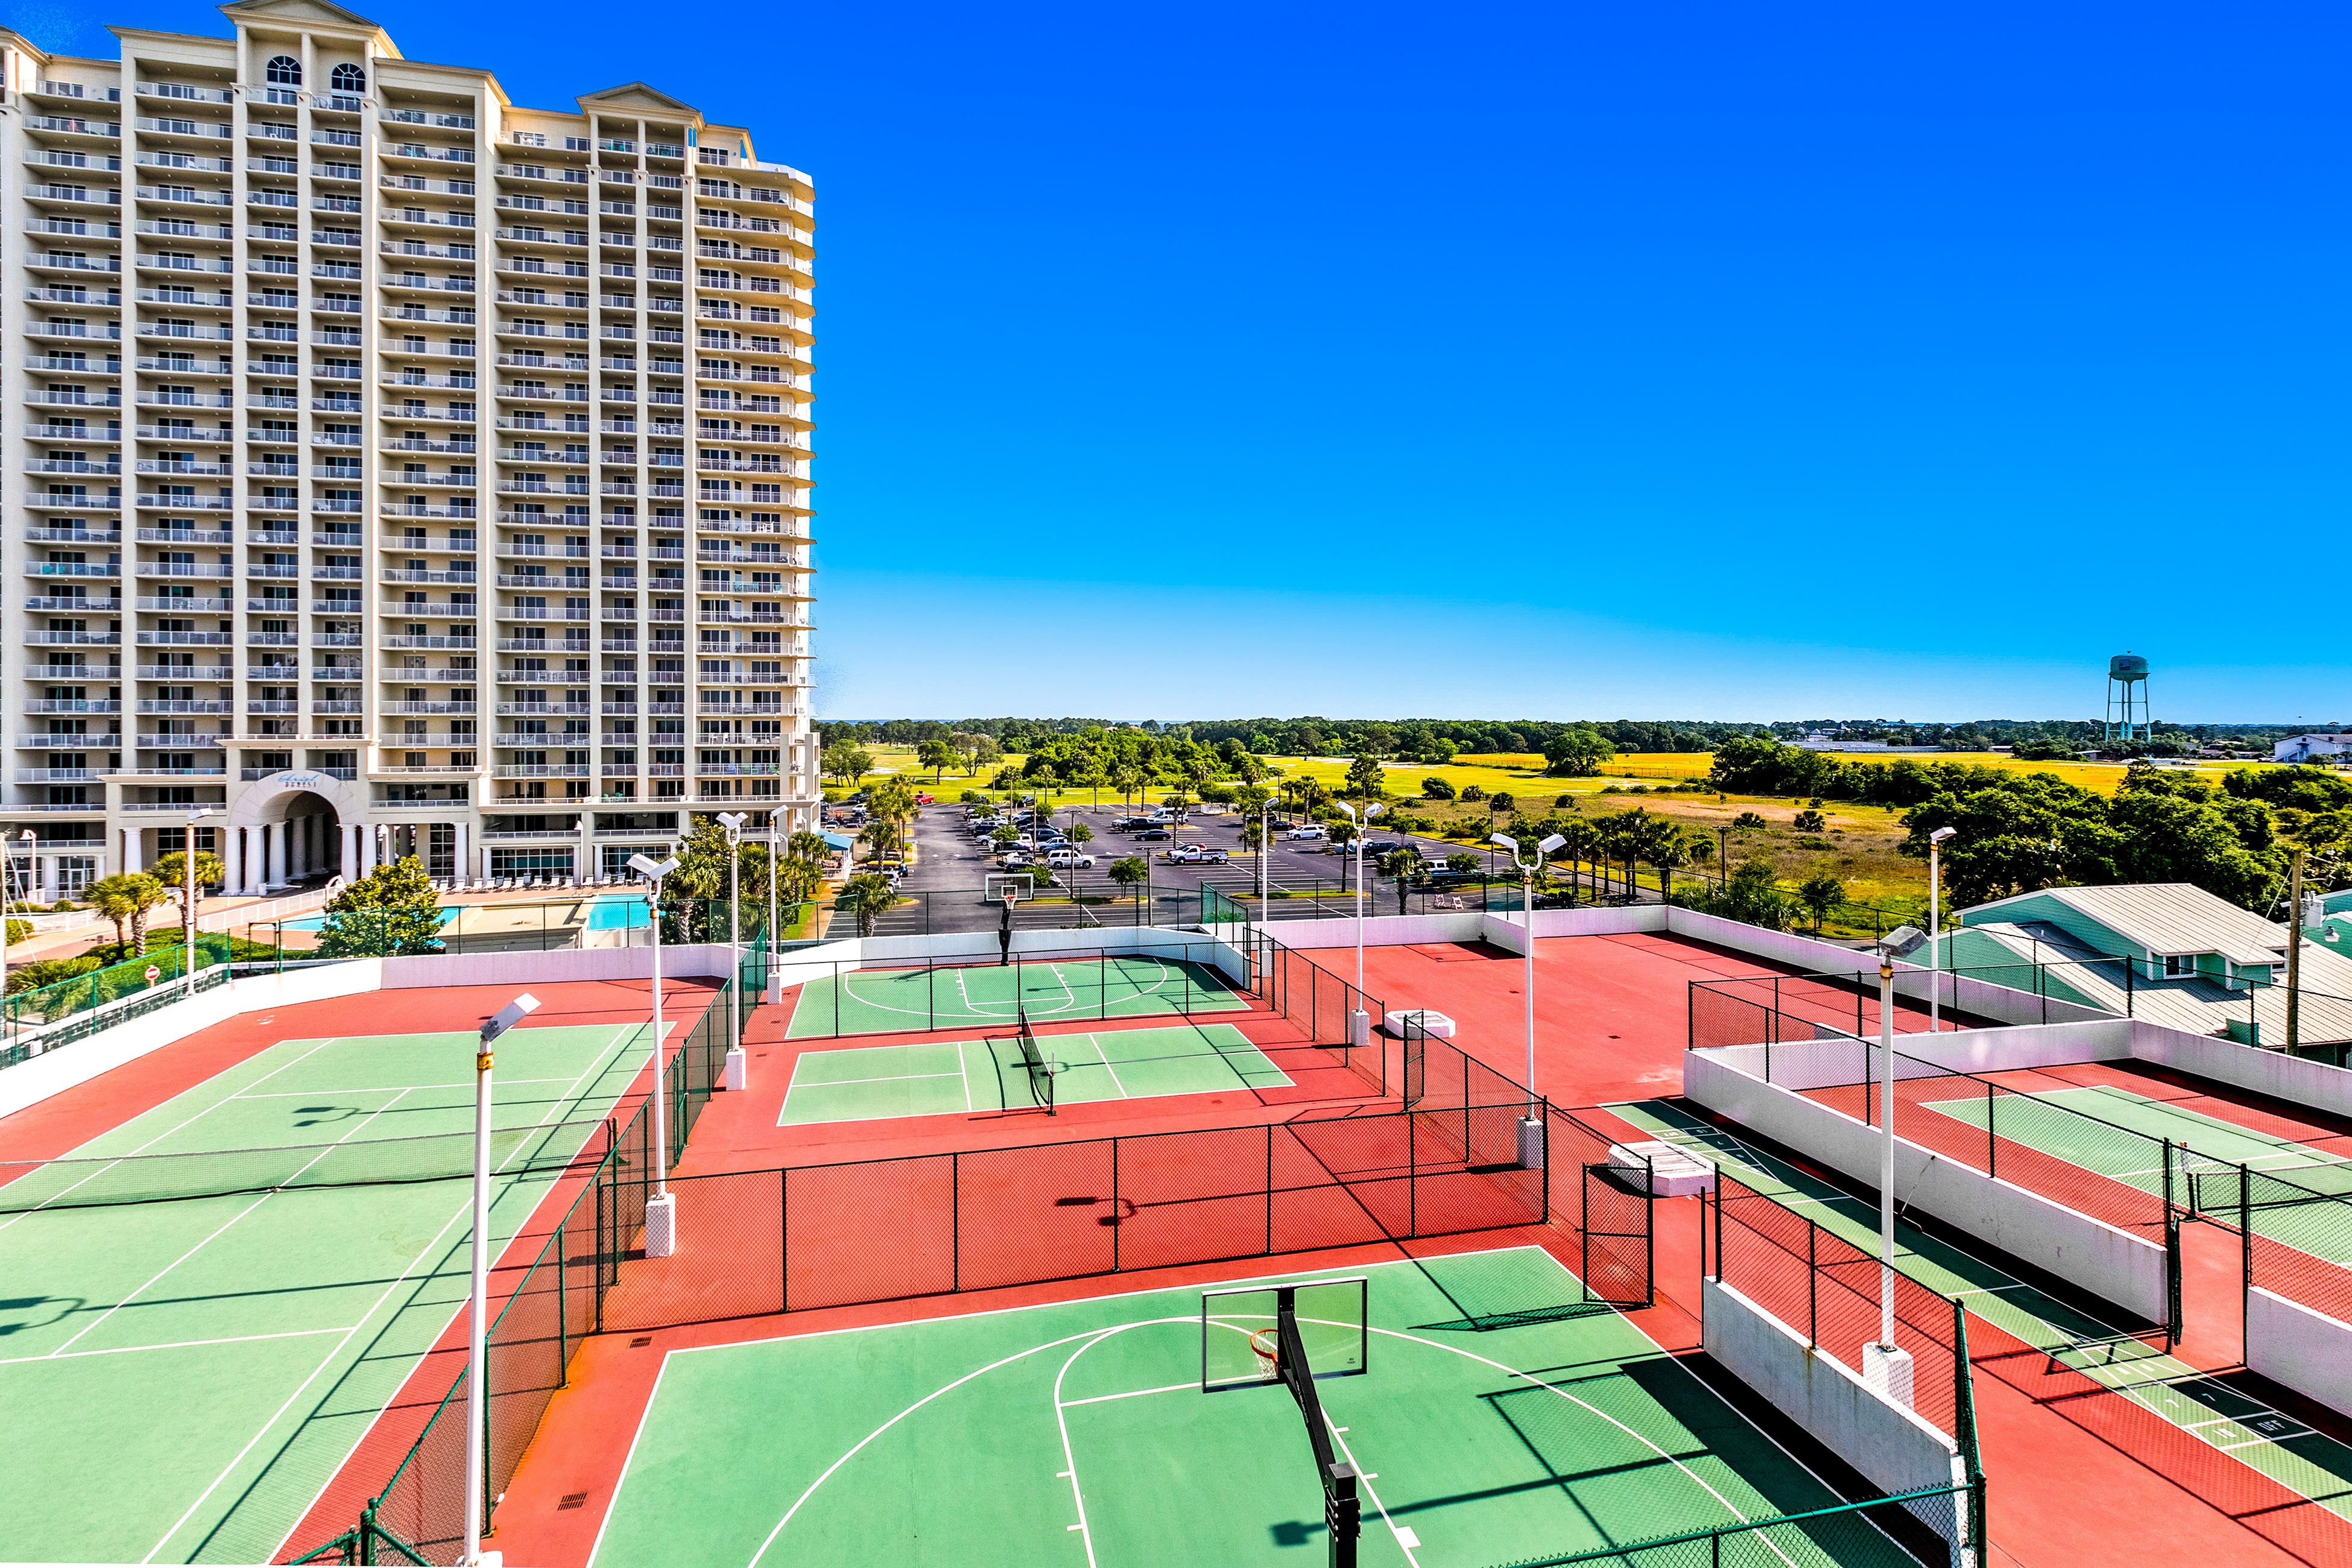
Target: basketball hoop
1266,1345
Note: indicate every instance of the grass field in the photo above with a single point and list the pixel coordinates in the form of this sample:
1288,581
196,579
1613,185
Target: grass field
1497,1419
932,1077
182,1377
888,1001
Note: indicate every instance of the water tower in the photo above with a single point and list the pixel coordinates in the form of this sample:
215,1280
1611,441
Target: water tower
2128,717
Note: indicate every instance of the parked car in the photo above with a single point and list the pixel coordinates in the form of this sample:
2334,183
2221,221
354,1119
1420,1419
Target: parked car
1308,830
1015,860
1154,833
1376,847
1196,855
1069,860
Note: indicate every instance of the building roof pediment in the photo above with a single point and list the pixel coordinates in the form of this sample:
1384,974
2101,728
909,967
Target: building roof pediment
637,95
295,13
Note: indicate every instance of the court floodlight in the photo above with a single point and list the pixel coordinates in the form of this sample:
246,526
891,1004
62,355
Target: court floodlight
507,1016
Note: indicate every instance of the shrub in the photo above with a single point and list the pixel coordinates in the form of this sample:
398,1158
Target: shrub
1471,792
1436,788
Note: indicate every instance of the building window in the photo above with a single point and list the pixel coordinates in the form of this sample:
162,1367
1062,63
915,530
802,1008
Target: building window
283,71
2181,966
348,78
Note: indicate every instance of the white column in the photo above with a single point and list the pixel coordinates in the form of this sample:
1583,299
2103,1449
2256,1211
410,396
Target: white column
457,850
367,847
132,859
240,863
351,852
278,837
485,871
48,877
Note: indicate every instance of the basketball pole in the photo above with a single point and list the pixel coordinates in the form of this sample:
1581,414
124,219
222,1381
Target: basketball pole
477,1299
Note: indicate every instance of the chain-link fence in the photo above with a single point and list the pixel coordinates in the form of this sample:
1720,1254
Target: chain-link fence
544,1307
1832,1292
41,1019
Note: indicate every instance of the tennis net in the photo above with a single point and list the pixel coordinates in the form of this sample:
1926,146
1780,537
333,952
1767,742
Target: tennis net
1041,1075
85,1181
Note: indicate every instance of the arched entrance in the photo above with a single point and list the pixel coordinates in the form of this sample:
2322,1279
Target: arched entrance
293,827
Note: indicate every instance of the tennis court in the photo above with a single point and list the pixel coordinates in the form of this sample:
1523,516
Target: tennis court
2044,1120
939,1077
1497,1417
184,1374
891,1001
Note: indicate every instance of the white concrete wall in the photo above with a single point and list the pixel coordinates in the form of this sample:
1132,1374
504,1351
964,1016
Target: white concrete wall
1894,1448
1379,931
79,1061
1603,920
2102,1259
706,961
2273,1073
2300,1348
1506,931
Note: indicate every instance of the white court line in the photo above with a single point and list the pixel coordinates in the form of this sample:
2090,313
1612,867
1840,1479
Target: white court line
894,1077
1104,1056
377,1089
1130,1394
169,1346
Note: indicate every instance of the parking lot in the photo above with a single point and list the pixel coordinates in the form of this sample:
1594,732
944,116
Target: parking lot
943,890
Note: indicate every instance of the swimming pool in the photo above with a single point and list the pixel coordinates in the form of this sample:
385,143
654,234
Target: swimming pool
607,911
318,922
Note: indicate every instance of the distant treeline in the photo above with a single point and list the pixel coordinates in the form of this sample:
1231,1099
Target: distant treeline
1435,740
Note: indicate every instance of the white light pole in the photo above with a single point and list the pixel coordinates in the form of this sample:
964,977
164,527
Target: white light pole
188,890
731,1076
775,852
1264,843
1884,1364
477,1300
661,1209
1935,927
1531,1126
6,872
1360,1022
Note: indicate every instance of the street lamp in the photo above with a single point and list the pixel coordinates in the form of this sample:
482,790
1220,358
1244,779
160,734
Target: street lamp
1531,1127
661,1209
1264,843
731,1076
1360,1022
1935,926
1882,1365
4,873
776,853
188,890
1723,857
477,1297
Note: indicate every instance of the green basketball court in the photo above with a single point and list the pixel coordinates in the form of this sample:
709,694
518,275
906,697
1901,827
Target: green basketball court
936,1077
183,1376
894,1001
2045,1119
1497,1418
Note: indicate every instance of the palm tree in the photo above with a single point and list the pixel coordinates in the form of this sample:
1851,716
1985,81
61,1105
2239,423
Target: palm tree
865,895
1127,779
125,898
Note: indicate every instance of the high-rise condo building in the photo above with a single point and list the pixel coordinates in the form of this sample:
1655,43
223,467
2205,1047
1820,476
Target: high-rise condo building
389,467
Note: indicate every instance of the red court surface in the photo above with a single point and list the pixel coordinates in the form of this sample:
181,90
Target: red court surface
1611,1012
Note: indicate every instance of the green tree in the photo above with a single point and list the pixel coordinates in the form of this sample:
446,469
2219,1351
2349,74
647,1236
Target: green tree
1080,833
1576,752
865,897
1752,893
892,804
390,912
1131,872
1821,893
1437,788
937,756
125,898
845,763
172,870
1364,777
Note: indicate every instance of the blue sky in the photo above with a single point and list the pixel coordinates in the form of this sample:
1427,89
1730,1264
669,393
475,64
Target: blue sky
1701,360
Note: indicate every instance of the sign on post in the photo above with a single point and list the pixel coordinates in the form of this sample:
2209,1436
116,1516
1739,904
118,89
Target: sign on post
154,975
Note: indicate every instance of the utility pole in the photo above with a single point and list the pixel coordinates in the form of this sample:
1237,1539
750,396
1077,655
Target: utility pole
2294,954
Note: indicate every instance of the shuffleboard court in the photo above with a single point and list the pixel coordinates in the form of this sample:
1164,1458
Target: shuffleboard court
2208,1147
208,1362
1497,1417
937,1078
894,1001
